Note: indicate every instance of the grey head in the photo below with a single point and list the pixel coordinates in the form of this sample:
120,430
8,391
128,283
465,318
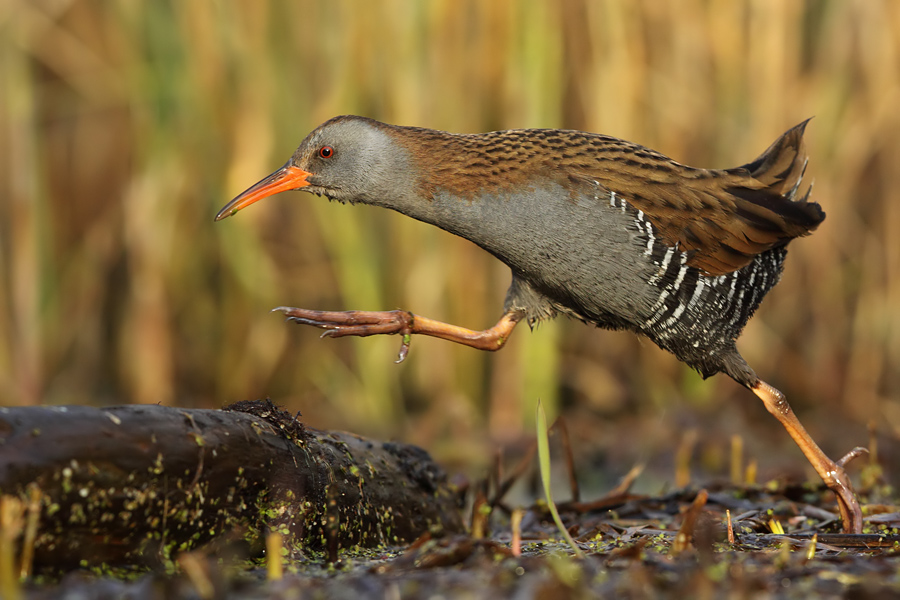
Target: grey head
348,159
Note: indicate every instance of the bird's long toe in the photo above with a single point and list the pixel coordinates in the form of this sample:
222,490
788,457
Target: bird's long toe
855,453
351,322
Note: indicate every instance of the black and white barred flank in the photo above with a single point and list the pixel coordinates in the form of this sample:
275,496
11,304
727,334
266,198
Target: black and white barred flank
698,317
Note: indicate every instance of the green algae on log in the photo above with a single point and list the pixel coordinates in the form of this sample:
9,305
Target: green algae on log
136,485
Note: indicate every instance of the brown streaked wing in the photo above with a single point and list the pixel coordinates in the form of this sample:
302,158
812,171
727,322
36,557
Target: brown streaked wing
724,217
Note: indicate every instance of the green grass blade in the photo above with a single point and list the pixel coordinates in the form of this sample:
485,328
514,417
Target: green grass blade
544,462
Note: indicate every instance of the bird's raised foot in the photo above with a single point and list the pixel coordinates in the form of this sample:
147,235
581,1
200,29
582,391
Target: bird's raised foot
351,322
356,322
363,323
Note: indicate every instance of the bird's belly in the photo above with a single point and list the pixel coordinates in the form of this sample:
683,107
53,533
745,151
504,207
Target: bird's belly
584,255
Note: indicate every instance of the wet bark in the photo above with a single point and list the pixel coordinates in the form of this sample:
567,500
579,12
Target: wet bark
135,485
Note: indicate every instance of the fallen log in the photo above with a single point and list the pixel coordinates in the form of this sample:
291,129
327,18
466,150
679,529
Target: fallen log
135,485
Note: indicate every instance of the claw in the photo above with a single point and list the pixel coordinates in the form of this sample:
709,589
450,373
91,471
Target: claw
404,349
303,321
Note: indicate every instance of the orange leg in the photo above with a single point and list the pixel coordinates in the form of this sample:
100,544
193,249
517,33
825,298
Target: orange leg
832,473
364,323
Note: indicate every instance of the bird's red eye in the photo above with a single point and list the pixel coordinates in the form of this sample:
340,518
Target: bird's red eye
326,151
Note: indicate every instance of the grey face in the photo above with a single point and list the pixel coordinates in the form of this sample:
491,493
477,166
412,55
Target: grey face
351,159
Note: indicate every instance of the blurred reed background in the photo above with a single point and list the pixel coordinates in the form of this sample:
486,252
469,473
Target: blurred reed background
124,127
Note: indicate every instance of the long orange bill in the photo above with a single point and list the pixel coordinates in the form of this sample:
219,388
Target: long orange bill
286,178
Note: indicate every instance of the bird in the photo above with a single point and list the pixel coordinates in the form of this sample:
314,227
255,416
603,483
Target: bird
600,229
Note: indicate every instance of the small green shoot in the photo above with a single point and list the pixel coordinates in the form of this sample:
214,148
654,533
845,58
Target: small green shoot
544,462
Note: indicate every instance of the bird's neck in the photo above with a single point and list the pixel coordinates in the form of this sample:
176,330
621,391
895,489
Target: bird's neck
466,184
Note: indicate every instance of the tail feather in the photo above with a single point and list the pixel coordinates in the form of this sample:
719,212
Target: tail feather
779,172
782,166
